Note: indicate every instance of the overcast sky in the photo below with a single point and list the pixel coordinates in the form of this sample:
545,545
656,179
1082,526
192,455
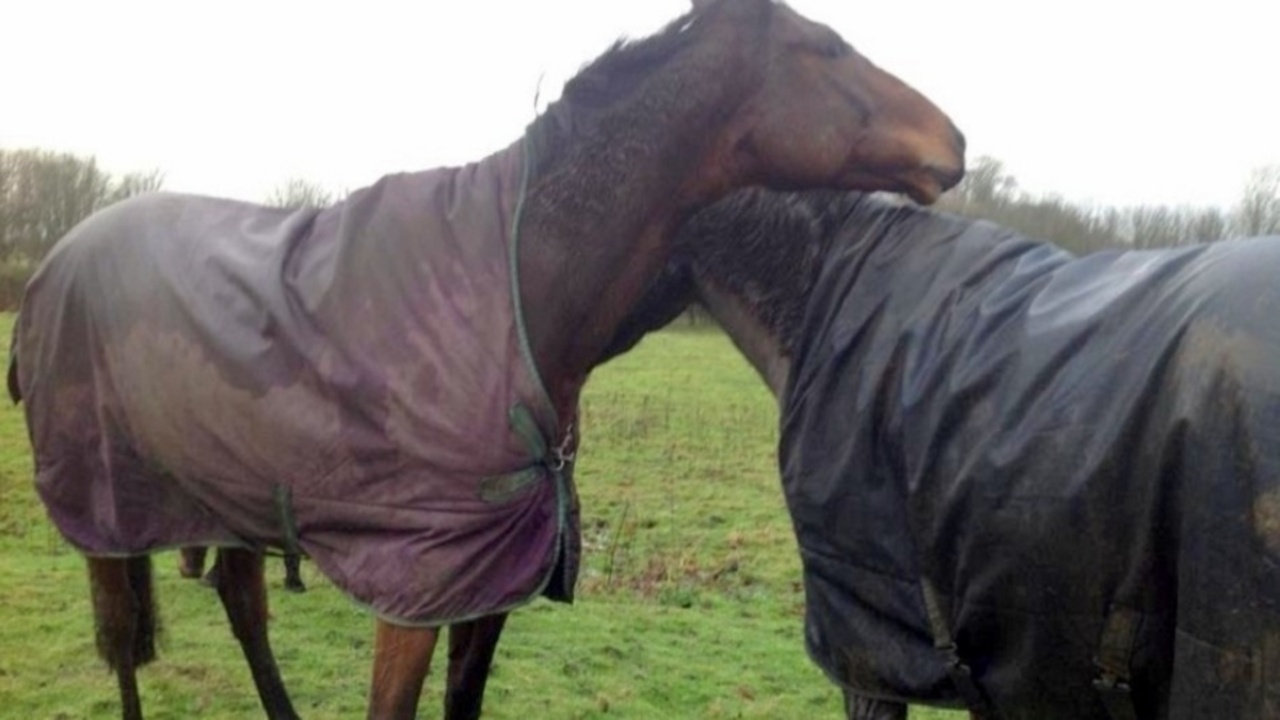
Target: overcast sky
1106,101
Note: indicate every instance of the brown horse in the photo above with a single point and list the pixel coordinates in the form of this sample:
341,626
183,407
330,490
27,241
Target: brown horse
200,372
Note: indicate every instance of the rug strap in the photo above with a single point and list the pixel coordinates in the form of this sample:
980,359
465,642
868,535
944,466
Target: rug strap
1114,660
502,488
283,496
961,676
556,462
526,426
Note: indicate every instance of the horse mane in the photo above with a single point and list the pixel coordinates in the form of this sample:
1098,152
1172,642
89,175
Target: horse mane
612,86
766,249
762,246
615,73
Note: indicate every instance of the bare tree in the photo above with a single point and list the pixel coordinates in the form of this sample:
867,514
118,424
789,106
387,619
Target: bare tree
44,194
988,191
47,195
985,188
1207,225
138,183
8,213
1154,226
299,193
1259,209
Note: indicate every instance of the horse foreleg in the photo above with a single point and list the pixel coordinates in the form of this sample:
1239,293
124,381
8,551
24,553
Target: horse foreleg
471,648
243,592
125,617
857,707
401,658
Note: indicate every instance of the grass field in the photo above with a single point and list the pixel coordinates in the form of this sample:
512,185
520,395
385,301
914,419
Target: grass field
690,603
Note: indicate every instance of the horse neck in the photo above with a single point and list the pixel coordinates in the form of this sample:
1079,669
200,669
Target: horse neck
600,215
742,322
753,261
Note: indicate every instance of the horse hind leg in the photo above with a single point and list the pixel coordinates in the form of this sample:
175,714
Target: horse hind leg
126,623
471,648
243,592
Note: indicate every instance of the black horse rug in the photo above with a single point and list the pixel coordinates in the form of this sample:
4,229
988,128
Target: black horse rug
350,381
1038,485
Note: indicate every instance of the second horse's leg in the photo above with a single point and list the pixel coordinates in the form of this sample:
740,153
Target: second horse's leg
244,595
471,648
401,658
293,573
191,561
857,707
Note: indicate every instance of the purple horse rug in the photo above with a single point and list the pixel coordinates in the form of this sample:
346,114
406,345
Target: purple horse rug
1037,485
351,381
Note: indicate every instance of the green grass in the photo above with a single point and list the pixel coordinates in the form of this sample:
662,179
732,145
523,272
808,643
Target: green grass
689,605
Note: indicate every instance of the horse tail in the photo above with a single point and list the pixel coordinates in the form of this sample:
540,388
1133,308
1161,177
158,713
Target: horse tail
15,392
124,610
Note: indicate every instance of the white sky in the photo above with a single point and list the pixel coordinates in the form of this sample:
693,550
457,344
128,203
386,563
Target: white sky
1109,101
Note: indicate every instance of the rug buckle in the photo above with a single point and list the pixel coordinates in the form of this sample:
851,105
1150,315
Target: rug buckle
562,455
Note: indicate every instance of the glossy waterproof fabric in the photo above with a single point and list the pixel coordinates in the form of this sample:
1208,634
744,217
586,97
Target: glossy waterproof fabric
193,367
1048,440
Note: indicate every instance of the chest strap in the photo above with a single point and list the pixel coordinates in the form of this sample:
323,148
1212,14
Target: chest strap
1114,662
282,495
961,676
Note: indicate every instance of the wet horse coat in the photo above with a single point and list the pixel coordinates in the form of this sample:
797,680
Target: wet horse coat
1072,461
349,380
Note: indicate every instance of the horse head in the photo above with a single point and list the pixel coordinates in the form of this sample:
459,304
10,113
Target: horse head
822,115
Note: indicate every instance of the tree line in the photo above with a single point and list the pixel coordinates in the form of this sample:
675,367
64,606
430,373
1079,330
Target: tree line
988,191
44,194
